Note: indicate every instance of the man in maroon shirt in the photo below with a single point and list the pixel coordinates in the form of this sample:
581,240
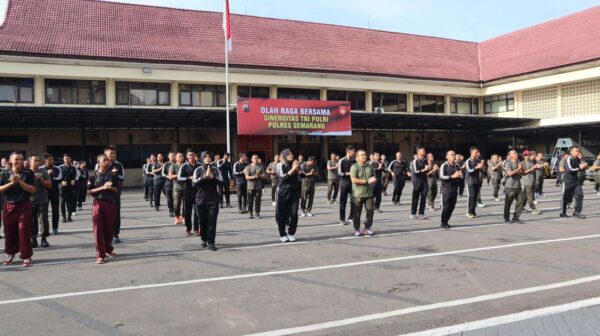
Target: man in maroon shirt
102,186
16,186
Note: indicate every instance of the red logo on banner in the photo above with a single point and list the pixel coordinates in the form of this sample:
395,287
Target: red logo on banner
291,116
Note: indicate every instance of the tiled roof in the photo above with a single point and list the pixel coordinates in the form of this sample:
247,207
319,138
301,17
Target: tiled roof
124,32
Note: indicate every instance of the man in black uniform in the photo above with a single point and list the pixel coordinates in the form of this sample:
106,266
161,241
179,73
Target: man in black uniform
473,168
450,174
168,187
53,193
186,175
418,175
380,169
398,169
82,181
205,180
67,188
118,171
344,165
225,168
240,181
461,184
156,169
288,191
146,179
308,173
571,185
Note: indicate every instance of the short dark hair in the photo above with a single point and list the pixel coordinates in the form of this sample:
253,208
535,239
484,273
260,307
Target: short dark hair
350,148
110,147
241,155
15,153
33,154
473,148
47,156
573,147
67,155
99,156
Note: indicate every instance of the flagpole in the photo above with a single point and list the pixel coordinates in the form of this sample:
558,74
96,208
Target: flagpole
227,96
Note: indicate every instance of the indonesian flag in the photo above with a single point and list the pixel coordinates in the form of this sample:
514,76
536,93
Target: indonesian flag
227,25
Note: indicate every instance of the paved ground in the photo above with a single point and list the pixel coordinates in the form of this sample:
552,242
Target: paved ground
411,277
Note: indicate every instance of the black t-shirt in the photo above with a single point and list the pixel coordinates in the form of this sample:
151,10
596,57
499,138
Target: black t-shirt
473,177
418,178
238,172
55,177
571,171
16,194
98,179
449,184
225,169
185,171
68,173
206,189
399,168
344,166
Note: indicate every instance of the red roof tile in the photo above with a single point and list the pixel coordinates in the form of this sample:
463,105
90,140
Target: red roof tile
564,41
116,31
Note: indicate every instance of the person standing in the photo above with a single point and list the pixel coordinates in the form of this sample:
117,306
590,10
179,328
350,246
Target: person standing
418,174
151,165
205,180
158,179
272,172
362,175
344,166
254,174
540,174
82,179
54,192
398,169
385,176
308,173
559,167
286,213
185,176
571,185
473,167
39,203
528,180
596,169
241,183
495,174
147,180
432,181
67,188
102,186
168,186
177,187
227,175
450,174
460,160
333,179
118,171
380,168
17,184
513,170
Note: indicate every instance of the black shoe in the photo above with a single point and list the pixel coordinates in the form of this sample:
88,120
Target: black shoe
251,216
204,244
34,242
222,206
564,215
64,220
578,215
156,208
44,243
445,226
69,219
116,239
517,220
171,214
212,247
229,205
257,216
146,199
507,221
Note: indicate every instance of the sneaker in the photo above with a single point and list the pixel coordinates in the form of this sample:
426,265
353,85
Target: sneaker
564,215
351,221
212,247
357,233
44,243
378,211
343,222
536,202
171,214
116,239
481,205
396,203
303,214
64,220
188,233
291,238
69,219
598,193
274,203
284,239
368,232
111,254
445,226
413,216
251,216
507,221
517,220
79,209
536,212
197,233
309,214
496,199
74,213
34,242
470,215
257,216
204,244
54,231
578,215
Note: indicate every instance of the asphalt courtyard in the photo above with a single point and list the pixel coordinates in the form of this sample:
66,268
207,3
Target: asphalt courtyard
483,277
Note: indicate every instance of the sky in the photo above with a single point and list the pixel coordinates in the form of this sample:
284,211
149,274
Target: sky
470,20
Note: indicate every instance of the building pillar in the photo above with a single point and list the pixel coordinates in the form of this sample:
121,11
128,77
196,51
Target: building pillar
559,108
174,95
409,102
111,93
38,90
233,94
323,94
447,100
519,103
369,101
273,91
480,105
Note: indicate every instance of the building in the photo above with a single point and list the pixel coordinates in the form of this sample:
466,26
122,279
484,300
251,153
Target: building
78,74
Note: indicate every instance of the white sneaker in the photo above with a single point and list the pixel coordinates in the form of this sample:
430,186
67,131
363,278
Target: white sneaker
284,239
274,203
598,193
351,221
481,205
357,233
413,216
496,199
309,214
291,238
535,202
303,214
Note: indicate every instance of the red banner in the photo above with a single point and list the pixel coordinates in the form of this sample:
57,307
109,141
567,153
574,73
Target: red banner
292,116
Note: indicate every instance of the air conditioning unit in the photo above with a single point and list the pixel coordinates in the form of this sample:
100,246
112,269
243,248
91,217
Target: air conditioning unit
378,110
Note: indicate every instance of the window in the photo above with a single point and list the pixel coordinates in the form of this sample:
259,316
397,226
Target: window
293,93
202,95
500,103
16,90
356,98
390,102
460,105
64,91
143,94
253,92
429,104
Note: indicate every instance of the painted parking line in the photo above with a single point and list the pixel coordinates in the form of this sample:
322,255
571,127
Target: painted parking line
506,319
428,307
292,271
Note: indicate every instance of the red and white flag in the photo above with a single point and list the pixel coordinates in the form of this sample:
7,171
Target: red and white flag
227,25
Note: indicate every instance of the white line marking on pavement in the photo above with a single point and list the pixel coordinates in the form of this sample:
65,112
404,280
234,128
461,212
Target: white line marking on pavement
512,318
291,271
411,310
